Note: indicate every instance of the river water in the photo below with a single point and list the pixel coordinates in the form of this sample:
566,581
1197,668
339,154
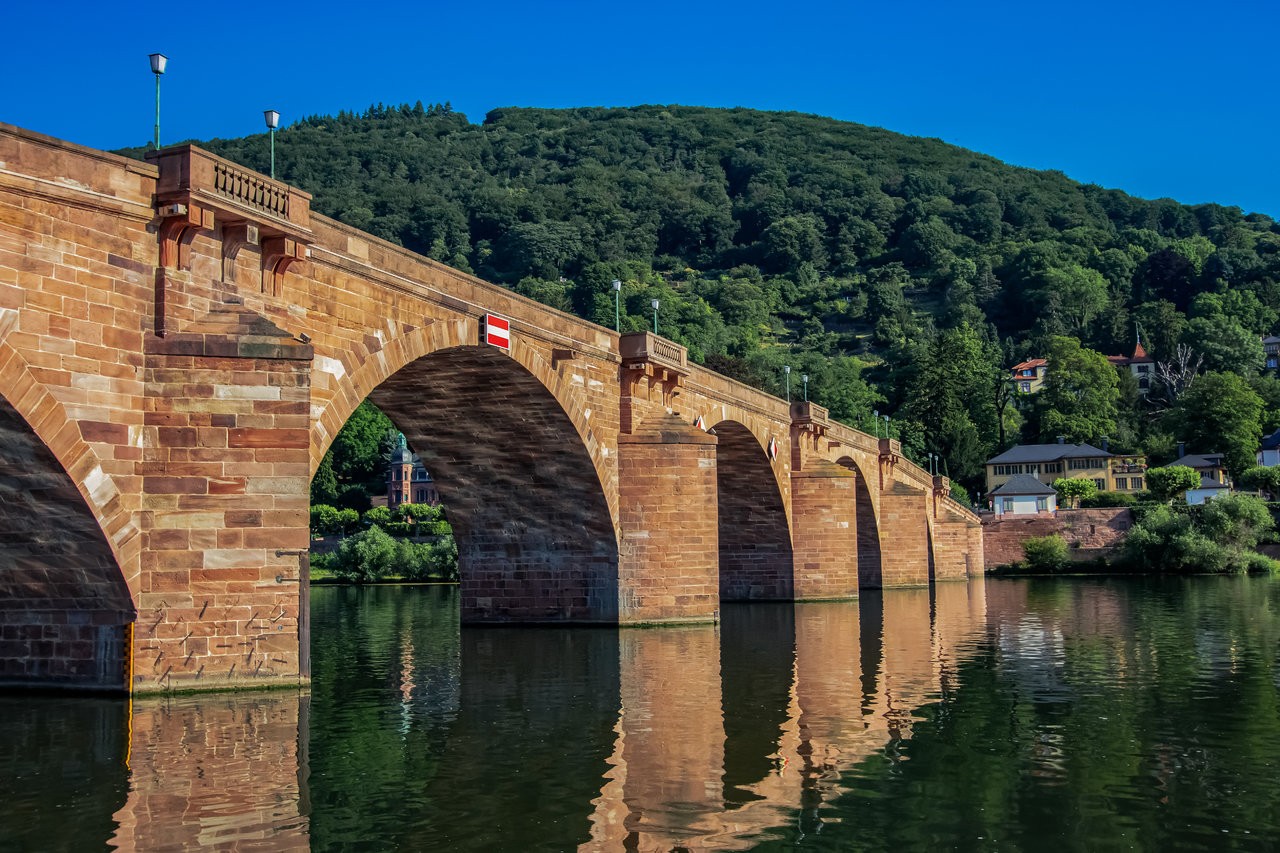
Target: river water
1057,714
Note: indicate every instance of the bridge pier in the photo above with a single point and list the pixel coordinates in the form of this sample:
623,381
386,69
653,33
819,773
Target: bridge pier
905,558
224,477
669,565
825,531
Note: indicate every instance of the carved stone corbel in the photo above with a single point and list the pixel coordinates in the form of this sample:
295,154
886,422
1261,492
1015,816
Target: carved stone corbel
279,253
235,237
179,224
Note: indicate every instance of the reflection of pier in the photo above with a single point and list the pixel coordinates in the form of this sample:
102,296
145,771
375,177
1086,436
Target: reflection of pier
220,773
684,774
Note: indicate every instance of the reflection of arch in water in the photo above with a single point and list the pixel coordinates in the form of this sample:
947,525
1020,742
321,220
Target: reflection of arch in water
755,543
870,569
757,660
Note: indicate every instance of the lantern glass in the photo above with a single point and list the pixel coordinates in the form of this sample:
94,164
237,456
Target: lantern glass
272,118
158,62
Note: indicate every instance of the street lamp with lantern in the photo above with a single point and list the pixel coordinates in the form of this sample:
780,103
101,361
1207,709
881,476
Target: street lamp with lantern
158,63
804,377
655,304
272,118
786,372
617,305
875,419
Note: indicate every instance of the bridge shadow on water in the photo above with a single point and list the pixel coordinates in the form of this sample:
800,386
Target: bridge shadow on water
419,734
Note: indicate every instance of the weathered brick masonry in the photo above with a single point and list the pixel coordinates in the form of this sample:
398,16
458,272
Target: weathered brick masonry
1089,533
181,341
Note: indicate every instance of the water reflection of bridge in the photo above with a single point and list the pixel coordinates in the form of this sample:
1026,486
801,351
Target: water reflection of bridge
720,736
685,775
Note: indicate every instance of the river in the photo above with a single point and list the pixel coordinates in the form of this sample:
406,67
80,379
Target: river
1054,714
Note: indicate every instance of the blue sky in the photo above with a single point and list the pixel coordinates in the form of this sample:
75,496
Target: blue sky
1159,99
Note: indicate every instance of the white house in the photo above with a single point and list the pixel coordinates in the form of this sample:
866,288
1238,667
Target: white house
1269,450
1208,490
1023,494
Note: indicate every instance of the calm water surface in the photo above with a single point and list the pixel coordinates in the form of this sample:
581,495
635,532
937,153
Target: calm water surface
1060,714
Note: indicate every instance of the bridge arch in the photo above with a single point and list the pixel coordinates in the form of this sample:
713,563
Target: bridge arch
69,551
867,518
515,459
348,387
756,560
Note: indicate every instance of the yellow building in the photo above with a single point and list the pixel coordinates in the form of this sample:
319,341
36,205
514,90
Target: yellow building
1028,377
1049,462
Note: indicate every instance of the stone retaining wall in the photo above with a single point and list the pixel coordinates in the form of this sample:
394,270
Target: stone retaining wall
1089,533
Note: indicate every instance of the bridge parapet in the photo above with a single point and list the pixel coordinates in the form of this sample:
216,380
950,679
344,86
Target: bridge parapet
192,175
196,187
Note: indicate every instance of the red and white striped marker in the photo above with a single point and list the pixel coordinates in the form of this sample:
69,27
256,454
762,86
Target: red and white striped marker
497,331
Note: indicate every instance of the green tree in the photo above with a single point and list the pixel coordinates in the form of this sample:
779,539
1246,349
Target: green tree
1236,522
325,520
1079,396
1167,483
1220,413
1075,489
1264,478
358,454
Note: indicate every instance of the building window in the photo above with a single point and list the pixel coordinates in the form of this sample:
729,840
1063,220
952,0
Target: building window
1122,483
1082,464
1100,483
1024,387
422,496
1053,468
1143,368
1008,504
1008,470
1042,504
1136,484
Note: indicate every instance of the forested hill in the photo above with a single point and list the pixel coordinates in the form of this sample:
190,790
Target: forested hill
900,273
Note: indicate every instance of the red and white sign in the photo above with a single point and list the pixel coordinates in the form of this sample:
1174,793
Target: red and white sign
773,449
700,423
497,331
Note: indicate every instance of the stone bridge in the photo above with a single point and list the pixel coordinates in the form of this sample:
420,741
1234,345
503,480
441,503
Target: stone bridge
180,342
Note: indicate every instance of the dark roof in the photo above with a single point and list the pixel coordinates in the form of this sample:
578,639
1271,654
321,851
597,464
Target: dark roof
1271,442
1046,453
1200,460
1023,484
1210,483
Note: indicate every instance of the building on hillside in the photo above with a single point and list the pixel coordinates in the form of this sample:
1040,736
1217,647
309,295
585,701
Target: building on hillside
1141,365
1271,352
1210,465
407,479
1208,489
1269,450
1028,377
1023,494
1047,462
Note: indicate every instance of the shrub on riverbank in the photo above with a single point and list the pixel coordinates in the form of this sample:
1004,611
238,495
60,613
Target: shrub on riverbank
374,555
1218,537
1045,553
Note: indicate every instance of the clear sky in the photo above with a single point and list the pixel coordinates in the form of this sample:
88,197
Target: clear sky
1159,99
